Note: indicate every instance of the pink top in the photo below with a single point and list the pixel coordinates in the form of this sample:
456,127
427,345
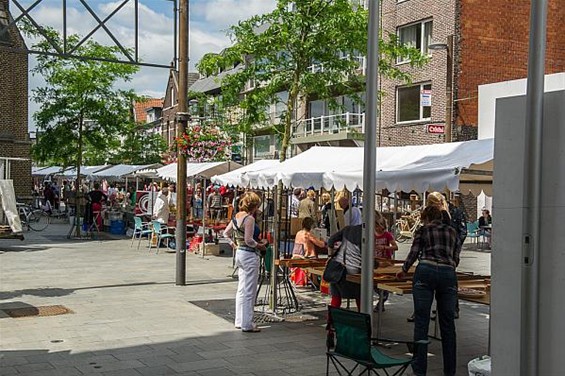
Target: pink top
384,239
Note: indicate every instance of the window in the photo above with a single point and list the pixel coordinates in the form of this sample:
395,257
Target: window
4,21
263,146
413,103
417,35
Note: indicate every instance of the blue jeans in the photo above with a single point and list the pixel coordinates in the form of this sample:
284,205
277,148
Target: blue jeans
441,280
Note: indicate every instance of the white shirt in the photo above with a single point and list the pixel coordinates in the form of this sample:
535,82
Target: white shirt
355,214
161,209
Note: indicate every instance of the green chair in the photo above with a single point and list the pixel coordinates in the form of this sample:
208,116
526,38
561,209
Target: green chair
353,342
158,229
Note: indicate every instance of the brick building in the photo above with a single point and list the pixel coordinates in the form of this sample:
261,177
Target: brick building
490,44
14,140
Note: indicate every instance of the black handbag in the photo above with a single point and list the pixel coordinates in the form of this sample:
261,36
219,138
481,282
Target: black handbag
335,271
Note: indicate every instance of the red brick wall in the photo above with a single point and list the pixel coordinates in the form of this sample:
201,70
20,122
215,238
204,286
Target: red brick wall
493,47
14,141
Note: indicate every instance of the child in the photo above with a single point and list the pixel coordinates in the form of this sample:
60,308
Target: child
385,246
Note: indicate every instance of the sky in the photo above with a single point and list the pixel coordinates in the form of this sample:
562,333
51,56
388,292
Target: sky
209,22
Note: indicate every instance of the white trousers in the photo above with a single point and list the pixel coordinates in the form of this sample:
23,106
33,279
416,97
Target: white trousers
248,274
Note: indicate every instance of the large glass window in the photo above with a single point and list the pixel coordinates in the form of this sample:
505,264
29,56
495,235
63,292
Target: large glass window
413,103
417,35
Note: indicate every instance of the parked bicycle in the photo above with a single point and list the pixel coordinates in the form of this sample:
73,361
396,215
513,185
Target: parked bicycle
33,219
405,227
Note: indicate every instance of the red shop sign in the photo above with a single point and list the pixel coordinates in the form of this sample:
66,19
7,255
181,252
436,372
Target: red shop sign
435,128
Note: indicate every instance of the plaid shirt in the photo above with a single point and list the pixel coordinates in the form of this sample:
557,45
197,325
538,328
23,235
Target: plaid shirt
436,242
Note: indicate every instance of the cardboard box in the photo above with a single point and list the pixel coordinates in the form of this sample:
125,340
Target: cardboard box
210,249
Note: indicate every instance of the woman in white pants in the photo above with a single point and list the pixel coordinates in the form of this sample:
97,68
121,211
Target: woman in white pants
247,247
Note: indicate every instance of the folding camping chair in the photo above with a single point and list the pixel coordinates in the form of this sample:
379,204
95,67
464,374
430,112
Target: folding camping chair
353,342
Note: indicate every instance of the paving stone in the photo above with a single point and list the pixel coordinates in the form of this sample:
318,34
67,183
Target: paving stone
156,371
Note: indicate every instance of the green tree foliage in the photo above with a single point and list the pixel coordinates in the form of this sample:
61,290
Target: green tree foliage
82,115
310,49
139,147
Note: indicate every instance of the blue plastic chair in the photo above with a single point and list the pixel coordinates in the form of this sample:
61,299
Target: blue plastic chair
473,232
140,229
158,229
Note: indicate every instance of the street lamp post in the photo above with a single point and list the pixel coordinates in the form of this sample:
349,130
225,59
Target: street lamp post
448,83
182,120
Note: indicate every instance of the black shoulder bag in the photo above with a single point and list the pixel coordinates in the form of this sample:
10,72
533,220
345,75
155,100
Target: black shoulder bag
335,271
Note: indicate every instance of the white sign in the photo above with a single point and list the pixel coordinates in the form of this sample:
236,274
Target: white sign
426,98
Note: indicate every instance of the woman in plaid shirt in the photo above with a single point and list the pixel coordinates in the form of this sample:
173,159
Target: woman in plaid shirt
437,247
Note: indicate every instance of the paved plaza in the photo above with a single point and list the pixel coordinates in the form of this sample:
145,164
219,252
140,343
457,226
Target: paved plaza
129,318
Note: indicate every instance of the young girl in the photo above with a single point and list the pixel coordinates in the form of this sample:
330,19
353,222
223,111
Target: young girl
385,246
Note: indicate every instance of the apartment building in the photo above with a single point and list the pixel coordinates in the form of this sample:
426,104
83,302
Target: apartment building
15,145
487,41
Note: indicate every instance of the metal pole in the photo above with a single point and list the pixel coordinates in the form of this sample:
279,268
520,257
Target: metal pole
449,90
275,254
182,119
370,162
529,357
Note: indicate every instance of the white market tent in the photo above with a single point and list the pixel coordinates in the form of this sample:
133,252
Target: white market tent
237,178
44,171
406,168
122,170
84,170
203,169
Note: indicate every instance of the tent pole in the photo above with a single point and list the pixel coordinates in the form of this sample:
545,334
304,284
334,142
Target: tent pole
370,161
275,253
333,227
203,216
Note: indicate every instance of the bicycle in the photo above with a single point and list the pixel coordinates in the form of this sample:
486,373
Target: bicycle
33,219
405,227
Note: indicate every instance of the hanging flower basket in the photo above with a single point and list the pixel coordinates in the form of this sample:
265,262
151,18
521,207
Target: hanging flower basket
204,143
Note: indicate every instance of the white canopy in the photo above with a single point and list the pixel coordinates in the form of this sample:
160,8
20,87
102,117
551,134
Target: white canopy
84,170
121,170
204,169
238,177
44,171
406,168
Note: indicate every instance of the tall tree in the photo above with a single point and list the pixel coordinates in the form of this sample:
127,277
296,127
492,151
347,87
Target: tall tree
305,47
80,107
139,146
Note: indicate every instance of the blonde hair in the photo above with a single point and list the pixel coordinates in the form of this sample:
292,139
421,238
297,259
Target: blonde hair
326,197
380,220
311,194
249,202
437,200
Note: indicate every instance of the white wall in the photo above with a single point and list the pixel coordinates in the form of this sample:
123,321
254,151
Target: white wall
509,270
489,93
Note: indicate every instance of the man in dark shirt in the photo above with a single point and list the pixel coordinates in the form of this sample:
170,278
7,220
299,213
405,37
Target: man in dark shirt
437,247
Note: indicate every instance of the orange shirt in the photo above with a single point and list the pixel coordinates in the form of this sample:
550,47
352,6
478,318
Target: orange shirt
309,243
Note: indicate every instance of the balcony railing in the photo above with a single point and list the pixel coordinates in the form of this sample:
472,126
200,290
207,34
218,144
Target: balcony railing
361,65
330,124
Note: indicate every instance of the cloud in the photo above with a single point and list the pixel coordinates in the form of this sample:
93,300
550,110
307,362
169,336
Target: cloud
208,23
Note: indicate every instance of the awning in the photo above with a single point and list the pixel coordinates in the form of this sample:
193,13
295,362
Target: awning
44,171
238,178
406,168
204,169
122,170
84,171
